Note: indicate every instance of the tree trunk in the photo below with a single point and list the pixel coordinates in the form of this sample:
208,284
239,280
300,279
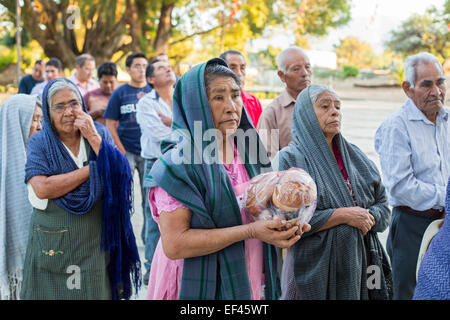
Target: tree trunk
51,40
103,37
163,34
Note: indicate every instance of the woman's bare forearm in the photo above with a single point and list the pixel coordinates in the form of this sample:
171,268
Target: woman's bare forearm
56,186
180,241
337,217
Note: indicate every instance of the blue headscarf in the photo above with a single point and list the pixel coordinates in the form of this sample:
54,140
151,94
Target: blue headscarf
109,177
433,280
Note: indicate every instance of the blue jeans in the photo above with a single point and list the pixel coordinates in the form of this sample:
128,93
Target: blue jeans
151,227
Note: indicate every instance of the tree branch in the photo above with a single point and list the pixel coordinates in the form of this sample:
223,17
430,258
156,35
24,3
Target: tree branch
199,33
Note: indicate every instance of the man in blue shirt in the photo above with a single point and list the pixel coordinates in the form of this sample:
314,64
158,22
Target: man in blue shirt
27,82
414,148
120,115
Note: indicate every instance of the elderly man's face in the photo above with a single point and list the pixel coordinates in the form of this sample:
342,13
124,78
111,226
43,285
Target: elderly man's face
428,93
237,64
86,72
63,103
298,72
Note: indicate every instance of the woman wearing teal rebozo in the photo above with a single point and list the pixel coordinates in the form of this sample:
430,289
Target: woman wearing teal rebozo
207,231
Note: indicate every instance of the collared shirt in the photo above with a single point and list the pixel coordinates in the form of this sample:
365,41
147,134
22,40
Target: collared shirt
39,88
277,115
415,157
253,107
84,88
152,127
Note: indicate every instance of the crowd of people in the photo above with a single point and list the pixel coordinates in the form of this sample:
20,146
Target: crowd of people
70,147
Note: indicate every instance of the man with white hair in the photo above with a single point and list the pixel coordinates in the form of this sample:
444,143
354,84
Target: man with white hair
84,71
294,69
414,148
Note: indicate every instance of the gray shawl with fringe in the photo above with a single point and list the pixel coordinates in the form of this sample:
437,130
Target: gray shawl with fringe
332,264
16,115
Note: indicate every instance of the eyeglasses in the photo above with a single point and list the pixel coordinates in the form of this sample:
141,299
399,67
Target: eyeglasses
139,66
89,70
60,108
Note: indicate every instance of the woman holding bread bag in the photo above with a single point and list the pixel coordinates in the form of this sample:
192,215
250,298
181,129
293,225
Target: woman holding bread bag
337,258
209,248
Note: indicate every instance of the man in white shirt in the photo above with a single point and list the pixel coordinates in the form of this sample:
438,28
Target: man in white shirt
154,116
414,147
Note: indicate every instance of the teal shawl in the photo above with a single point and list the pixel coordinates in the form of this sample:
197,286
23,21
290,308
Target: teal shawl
207,191
332,264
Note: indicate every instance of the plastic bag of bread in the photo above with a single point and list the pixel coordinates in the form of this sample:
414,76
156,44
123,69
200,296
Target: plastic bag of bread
286,195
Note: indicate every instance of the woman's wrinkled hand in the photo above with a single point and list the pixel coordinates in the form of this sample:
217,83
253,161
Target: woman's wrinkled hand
278,232
359,218
85,124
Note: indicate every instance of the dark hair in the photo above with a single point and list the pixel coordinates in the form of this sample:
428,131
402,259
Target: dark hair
107,69
216,70
38,62
55,62
81,60
150,71
224,55
133,56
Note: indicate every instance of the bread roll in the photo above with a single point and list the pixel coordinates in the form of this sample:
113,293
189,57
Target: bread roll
293,191
260,191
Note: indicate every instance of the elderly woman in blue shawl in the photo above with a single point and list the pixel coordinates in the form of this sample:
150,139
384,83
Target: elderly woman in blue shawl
20,118
81,243
206,230
341,257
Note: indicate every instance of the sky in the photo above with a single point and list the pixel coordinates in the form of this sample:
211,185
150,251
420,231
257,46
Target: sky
371,21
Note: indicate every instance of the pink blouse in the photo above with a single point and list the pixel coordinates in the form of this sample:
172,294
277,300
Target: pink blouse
165,274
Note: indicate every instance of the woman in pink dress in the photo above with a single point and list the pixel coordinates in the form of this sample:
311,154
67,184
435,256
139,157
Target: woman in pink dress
209,248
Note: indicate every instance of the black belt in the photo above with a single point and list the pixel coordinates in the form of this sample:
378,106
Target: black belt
433,213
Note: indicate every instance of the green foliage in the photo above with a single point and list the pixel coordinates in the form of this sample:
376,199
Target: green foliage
353,51
350,71
398,73
9,39
104,28
423,32
268,57
327,74
7,57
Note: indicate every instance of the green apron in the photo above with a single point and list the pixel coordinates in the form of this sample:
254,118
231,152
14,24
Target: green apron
63,259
